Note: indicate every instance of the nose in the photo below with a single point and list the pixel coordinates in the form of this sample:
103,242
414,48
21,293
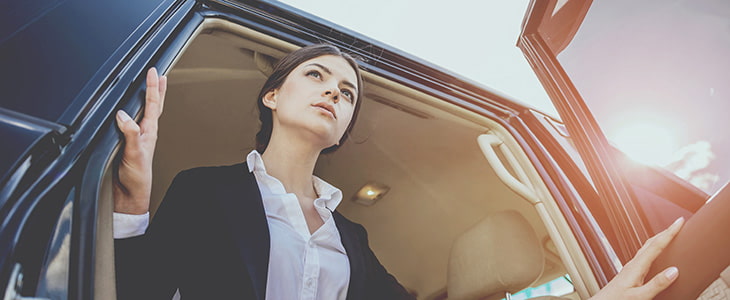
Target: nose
334,94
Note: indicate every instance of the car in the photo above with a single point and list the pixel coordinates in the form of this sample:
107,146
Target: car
475,186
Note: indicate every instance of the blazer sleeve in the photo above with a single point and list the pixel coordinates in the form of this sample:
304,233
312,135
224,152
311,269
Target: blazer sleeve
381,284
147,265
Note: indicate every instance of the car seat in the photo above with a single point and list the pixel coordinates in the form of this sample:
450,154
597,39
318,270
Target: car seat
498,256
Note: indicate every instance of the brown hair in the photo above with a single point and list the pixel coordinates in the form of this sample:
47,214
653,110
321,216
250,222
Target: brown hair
282,69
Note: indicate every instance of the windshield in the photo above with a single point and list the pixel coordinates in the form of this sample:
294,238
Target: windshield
655,75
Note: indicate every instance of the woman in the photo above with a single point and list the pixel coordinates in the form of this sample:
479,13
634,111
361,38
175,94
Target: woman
268,229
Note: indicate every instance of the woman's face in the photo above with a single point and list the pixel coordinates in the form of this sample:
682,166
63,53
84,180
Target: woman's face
317,100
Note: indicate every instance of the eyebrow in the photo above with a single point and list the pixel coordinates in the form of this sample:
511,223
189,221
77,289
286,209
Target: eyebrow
327,70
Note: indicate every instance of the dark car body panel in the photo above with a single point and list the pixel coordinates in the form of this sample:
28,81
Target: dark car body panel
22,134
99,30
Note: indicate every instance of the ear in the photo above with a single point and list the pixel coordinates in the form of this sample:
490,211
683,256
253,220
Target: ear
270,99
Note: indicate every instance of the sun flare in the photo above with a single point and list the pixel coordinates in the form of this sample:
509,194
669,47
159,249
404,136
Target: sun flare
646,141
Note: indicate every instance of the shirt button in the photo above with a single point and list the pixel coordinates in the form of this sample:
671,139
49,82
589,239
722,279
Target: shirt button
311,244
310,282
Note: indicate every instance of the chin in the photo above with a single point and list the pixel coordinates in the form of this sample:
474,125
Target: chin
326,133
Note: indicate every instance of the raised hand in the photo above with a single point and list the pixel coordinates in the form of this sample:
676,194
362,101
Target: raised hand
630,283
133,181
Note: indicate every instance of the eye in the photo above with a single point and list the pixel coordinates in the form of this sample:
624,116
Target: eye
347,93
315,74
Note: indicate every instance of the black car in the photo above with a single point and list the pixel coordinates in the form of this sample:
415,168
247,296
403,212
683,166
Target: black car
451,153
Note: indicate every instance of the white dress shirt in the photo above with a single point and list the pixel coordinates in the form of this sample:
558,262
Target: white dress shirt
302,266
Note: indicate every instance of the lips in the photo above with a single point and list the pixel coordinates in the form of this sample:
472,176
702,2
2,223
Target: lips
326,106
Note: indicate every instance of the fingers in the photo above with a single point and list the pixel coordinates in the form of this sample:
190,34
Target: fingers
162,89
654,246
154,100
636,269
659,283
130,129
629,283
143,135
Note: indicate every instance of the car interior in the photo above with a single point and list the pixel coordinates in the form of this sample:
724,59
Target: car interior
462,213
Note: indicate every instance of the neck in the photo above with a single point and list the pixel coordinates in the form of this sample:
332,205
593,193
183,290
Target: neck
292,162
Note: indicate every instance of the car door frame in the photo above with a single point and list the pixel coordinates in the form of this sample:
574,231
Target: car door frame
624,220
173,24
86,147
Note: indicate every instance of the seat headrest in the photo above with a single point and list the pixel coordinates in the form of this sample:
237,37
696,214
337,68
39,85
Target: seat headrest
499,254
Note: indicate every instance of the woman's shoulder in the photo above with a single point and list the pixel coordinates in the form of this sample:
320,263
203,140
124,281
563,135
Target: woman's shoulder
344,222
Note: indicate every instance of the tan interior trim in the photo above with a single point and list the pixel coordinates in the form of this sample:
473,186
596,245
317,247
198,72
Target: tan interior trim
487,142
248,38
105,286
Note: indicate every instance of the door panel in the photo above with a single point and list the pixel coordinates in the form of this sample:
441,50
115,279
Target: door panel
700,250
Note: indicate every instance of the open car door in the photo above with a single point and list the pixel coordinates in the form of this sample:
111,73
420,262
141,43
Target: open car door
615,68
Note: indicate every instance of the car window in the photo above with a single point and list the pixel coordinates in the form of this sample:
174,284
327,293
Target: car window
655,75
557,287
54,276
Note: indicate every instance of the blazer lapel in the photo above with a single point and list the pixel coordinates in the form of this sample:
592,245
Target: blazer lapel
352,245
245,214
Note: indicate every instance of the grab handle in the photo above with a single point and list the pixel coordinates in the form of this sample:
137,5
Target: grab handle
487,142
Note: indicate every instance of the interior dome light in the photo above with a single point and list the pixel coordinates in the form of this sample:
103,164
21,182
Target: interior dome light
370,193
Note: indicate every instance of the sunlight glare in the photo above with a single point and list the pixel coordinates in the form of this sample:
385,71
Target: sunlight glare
646,142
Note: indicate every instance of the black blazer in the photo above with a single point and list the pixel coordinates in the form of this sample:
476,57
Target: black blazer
210,239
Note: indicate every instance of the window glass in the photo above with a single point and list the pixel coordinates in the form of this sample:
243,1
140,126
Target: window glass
53,282
557,287
654,74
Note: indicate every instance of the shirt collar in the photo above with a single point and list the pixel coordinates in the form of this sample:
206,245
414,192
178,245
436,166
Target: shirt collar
330,195
255,162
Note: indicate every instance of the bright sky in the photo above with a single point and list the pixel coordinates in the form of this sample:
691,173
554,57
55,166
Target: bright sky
475,39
